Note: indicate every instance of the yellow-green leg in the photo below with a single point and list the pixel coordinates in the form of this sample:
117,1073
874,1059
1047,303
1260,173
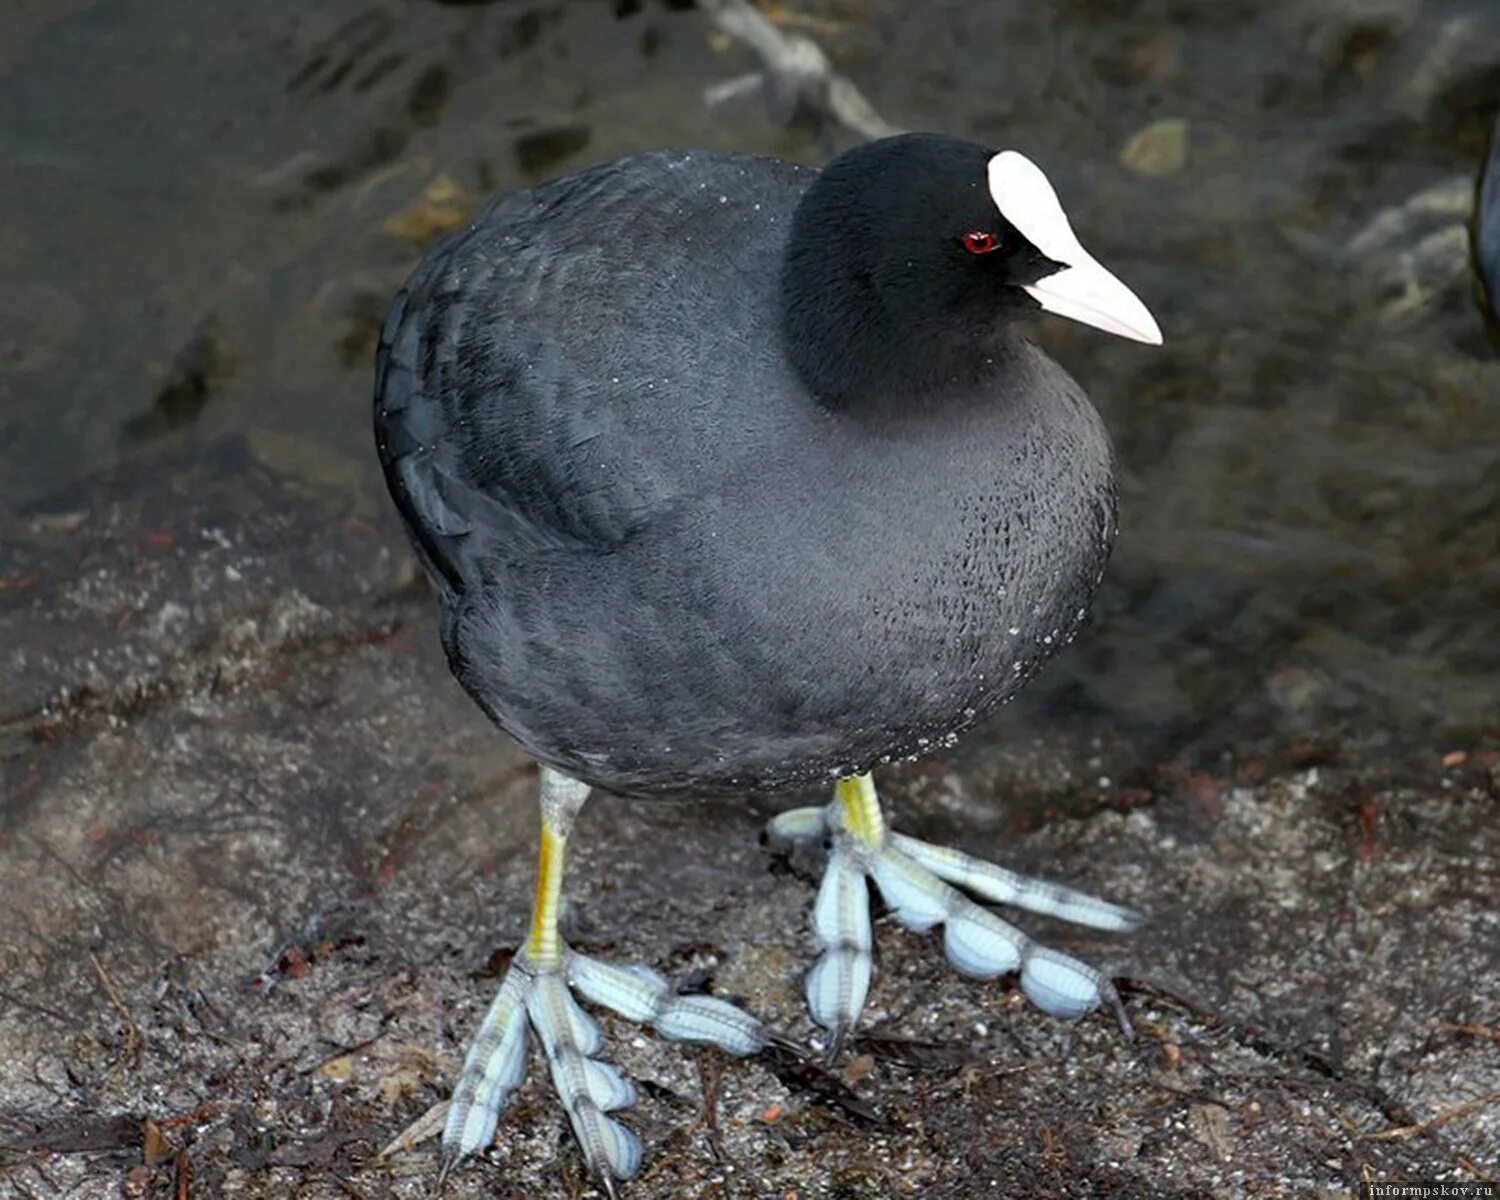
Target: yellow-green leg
544,944
536,998
917,880
859,809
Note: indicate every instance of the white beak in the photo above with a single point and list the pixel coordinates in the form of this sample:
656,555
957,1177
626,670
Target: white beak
1083,290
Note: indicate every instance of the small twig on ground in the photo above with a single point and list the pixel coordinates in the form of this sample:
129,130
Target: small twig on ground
184,1175
797,79
1401,1133
342,1052
788,17
428,1125
1473,1029
206,1111
132,1032
710,1075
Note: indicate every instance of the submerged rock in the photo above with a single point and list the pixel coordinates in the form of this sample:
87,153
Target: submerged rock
1412,256
1160,148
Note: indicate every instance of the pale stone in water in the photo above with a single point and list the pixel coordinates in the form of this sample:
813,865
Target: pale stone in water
1160,148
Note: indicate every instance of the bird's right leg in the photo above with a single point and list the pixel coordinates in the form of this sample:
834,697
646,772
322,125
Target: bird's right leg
536,996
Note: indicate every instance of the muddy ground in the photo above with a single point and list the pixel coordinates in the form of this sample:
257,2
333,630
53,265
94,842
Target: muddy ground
261,866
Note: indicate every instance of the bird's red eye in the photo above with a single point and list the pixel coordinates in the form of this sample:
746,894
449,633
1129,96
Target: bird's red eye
978,242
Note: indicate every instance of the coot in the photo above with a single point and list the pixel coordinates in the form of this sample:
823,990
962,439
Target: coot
732,475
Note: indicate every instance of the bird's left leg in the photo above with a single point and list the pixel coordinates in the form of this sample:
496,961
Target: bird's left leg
917,880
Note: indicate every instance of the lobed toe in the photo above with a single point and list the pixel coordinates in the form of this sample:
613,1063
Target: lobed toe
1059,984
493,1069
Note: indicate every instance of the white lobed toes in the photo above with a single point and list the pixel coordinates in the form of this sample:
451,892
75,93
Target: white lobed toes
589,1089
634,992
981,945
918,900
836,988
977,942
839,982
550,1008
1000,886
538,999
587,1036
607,1087
1061,985
920,884
711,1022
609,1148
641,994
841,913
799,825
493,1069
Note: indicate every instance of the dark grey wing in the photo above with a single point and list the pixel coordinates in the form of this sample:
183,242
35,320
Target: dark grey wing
497,428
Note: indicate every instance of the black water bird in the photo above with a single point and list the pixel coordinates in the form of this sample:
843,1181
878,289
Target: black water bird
733,475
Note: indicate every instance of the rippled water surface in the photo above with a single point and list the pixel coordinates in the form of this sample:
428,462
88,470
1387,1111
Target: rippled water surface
204,207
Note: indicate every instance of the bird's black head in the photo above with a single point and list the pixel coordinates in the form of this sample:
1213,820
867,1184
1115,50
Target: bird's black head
908,257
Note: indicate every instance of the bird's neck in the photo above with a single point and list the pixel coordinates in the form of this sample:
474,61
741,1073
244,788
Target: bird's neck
855,356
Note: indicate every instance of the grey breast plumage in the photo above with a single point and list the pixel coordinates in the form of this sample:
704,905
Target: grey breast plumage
664,567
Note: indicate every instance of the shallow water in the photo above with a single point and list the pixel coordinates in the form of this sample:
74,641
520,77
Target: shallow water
204,207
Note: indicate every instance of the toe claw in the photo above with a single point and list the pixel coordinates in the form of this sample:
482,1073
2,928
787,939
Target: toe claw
837,1039
1112,998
